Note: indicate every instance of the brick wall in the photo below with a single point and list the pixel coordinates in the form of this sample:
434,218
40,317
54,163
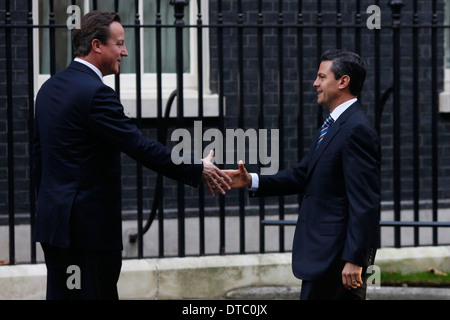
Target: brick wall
20,114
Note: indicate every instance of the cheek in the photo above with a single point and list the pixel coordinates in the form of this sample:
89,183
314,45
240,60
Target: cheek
328,89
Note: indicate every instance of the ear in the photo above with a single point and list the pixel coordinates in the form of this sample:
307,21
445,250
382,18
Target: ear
96,46
344,82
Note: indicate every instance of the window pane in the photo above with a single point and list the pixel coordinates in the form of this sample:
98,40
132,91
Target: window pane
127,15
447,34
63,40
168,43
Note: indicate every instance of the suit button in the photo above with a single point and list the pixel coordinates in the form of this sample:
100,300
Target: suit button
305,195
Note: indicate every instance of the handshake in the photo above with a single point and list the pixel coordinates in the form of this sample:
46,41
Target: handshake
223,180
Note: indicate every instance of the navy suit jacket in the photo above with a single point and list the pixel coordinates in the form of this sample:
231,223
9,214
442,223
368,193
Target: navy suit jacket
340,187
80,131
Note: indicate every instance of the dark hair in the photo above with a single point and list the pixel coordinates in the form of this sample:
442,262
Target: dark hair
347,63
94,25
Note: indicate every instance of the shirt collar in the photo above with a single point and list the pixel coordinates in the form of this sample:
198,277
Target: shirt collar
341,108
91,66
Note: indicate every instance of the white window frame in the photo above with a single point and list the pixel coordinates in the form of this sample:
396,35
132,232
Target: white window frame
444,97
149,80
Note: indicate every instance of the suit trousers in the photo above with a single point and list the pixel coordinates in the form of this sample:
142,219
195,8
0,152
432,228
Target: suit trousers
81,274
330,286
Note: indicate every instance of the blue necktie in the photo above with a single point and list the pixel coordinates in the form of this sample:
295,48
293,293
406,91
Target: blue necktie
323,131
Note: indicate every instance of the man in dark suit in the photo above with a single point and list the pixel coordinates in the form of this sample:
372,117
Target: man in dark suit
339,179
80,131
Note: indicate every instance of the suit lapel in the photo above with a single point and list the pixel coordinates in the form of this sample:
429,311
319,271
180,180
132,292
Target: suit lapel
331,133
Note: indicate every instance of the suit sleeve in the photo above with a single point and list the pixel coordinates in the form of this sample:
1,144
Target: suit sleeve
37,158
361,166
108,121
286,182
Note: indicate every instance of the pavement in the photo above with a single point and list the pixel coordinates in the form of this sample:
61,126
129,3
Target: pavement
382,293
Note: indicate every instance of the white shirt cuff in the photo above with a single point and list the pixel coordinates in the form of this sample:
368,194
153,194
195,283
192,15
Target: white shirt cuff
255,182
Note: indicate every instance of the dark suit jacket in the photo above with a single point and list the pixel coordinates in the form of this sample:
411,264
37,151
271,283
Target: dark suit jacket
340,187
80,130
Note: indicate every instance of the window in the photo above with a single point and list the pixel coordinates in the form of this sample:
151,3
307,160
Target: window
444,98
147,15
63,54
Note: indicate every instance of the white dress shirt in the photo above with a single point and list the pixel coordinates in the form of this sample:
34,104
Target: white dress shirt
335,115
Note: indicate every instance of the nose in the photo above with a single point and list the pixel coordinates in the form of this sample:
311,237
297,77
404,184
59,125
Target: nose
124,52
316,83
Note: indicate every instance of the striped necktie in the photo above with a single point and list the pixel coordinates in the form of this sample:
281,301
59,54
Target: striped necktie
323,131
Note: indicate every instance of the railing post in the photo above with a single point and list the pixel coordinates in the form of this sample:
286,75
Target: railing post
416,115
52,37
139,167
377,58
281,108
396,7
160,129
240,98
117,76
201,189
32,181
300,85
261,102
221,91
179,24
434,118
319,33
10,133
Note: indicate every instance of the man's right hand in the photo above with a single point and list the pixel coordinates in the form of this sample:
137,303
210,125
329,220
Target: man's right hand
240,177
213,177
